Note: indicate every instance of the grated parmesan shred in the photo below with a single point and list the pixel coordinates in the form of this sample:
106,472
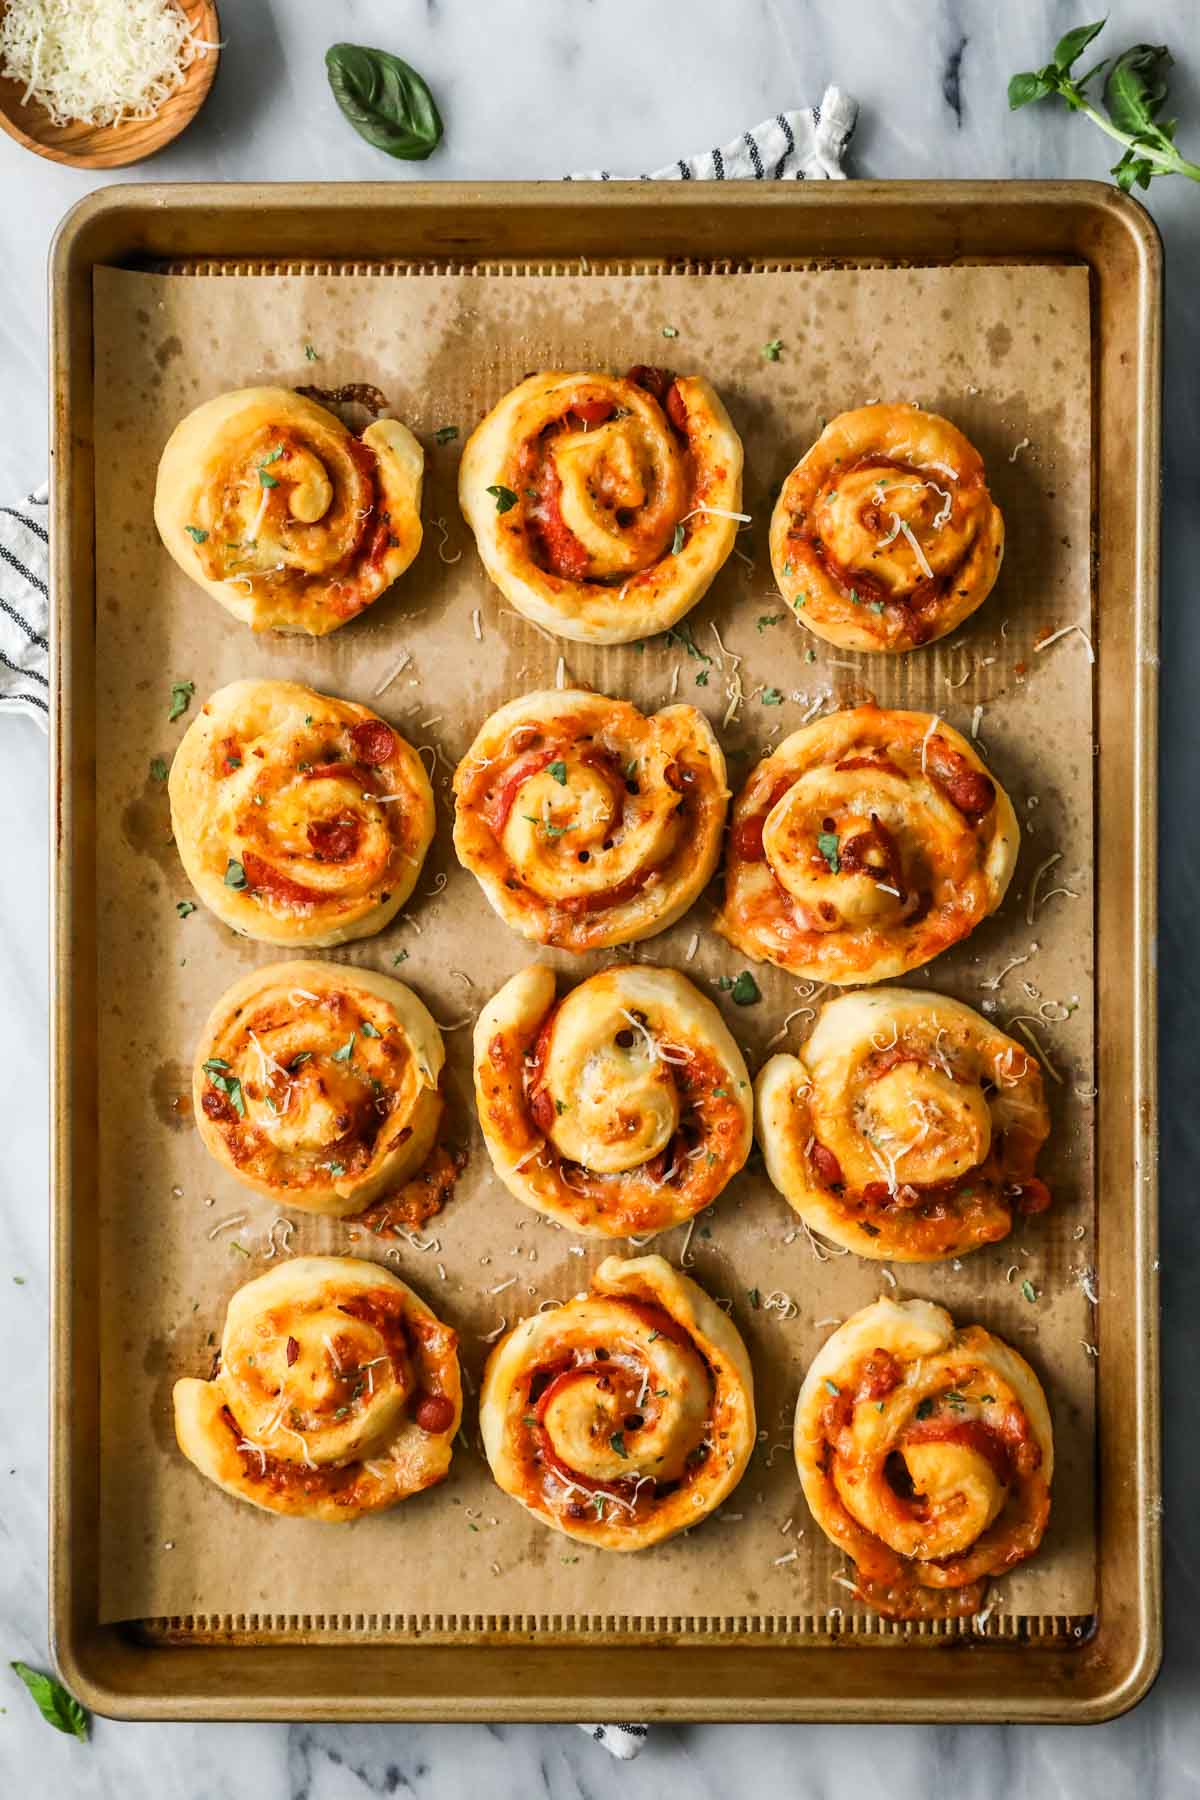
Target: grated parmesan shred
99,64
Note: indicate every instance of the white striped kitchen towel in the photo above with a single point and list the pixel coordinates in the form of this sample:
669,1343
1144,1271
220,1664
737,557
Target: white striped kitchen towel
25,608
793,146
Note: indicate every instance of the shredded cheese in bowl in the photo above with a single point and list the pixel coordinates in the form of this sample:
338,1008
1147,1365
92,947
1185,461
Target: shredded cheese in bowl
98,62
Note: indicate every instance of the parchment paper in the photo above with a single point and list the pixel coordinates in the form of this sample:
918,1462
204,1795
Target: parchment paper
1005,352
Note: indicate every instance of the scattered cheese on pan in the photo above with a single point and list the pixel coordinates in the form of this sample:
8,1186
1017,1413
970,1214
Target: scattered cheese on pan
101,63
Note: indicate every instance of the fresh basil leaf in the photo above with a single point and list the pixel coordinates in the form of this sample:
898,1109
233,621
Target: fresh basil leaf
617,1441
197,535
310,355
1070,48
1136,87
559,772
56,1706
158,768
368,1030
385,100
267,481
185,908
504,497
771,351
235,875
677,540
445,434
347,1049
1026,87
772,697
744,991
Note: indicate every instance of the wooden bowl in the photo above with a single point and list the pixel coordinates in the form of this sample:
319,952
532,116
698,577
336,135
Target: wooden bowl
112,146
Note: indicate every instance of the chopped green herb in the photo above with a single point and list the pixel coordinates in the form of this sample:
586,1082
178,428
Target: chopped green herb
236,1249
987,1399
682,634
266,480
559,772
551,830
560,1107
529,1419
310,354
771,350
185,908
235,875
1028,1292
347,1049
677,540
653,1336
744,991
368,1030
336,1168
772,697
158,768
827,844
875,606
717,1094
273,455
752,1297
879,1406
800,602
197,534
765,619
670,331
924,1408
300,1058
810,656
56,1705
702,678
832,1386
504,497
181,697
401,956
854,599
617,1440
445,434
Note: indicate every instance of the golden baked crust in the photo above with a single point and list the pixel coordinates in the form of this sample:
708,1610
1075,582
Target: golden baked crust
623,1416
600,505
317,1084
336,1393
926,1454
294,524
587,823
884,536
866,843
300,819
907,1129
623,1108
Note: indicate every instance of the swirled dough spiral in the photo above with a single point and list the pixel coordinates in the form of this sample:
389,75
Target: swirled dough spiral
317,1085
623,1108
336,1393
587,823
907,1129
600,505
885,536
866,843
625,1415
294,524
926,1454
300,819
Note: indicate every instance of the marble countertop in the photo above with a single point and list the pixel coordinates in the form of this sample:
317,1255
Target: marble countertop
634,85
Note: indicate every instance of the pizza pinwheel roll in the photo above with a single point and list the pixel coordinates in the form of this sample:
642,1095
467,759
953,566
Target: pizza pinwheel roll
336,1393
926,1455
884,536
908,1129
864,845
602,506
623,1108
317,1085
624,1415
300,819
587,823
294,524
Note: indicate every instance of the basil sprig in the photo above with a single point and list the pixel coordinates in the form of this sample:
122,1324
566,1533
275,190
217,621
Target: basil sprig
1134,93
56,1705
385,100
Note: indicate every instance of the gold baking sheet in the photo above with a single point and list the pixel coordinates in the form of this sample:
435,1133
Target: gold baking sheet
1006,351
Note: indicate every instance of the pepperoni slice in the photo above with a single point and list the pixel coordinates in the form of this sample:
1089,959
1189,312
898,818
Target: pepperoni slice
374,742
334,840
827,1166
434,1413
654,381
592,412
217,1107
500,804
966,788
676,410
263,878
